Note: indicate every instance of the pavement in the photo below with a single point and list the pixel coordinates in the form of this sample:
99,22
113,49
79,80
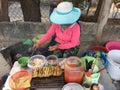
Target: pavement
4,66
105,79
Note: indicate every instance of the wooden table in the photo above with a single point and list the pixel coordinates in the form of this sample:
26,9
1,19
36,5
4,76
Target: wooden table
105,79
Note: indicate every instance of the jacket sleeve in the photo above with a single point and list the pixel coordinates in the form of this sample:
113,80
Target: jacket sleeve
48,35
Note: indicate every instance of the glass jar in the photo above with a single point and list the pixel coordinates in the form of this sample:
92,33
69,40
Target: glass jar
73,71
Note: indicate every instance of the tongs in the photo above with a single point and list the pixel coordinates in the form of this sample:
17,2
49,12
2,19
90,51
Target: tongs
33,51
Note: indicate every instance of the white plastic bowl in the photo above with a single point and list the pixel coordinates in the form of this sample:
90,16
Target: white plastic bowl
36,63
72,86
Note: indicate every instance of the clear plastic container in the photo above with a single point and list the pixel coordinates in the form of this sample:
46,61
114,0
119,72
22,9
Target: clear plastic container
52,60
73,71
36,61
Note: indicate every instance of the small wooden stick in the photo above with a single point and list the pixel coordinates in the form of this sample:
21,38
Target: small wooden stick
101,69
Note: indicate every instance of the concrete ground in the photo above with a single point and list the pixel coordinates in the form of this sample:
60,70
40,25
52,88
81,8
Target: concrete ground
105,79
4,66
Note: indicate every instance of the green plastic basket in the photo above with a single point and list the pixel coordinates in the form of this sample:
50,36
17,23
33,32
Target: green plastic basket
89,58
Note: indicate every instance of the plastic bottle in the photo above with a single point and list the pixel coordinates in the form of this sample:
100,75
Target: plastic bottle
87,78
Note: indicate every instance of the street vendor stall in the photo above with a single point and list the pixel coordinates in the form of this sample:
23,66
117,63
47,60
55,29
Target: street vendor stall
57,83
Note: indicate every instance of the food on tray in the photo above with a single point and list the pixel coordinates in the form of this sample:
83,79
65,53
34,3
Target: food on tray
36,62
47,71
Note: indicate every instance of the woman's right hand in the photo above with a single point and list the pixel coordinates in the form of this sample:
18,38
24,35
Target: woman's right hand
35,46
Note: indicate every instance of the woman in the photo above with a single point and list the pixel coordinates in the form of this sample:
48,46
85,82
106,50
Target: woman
64,29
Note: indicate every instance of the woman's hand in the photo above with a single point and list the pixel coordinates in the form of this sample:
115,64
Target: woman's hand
53,48
35,46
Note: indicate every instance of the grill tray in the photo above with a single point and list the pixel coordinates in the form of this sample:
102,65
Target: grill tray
49,82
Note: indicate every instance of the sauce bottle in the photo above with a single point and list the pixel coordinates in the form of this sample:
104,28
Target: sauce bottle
87,78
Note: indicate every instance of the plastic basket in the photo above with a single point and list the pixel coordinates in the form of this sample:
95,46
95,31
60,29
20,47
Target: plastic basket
112,45
89,58
92,53
18,75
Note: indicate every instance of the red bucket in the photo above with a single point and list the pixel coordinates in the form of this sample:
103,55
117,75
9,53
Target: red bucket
113,45
99,48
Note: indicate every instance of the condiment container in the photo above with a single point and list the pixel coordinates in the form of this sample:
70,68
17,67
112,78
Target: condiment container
52,60
86,86
94,87
73,71
87,78
72,86
97,87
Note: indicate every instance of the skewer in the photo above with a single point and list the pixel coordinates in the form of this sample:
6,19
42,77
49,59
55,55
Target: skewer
101,69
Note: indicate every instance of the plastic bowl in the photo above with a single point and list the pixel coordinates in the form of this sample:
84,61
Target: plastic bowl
99,48
36,61
19,76
52,60
113,45
92,53
72,86
23,61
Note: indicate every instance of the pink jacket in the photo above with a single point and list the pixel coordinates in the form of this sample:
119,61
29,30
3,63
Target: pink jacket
67,39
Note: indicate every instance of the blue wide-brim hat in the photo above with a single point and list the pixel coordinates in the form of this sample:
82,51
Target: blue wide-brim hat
65,13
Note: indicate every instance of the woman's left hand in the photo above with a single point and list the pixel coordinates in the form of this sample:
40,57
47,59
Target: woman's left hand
53,48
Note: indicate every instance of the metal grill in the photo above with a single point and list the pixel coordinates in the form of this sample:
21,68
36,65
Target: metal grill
50,82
